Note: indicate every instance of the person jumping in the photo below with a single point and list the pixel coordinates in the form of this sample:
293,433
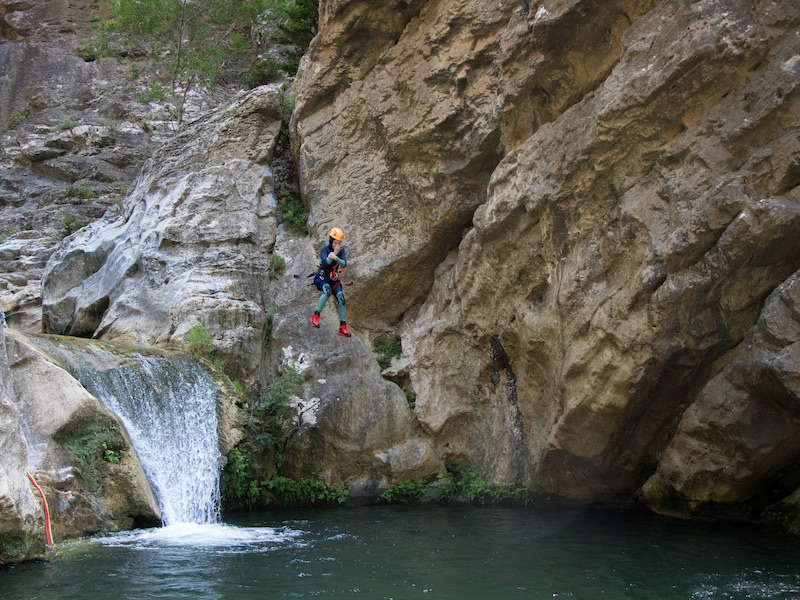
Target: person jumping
333,264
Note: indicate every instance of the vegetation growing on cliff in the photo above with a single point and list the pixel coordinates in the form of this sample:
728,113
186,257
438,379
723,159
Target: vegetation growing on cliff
198,41
387,347
240,487
92,441
461,482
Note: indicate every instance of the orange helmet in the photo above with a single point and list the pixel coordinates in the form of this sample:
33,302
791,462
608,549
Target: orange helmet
336,234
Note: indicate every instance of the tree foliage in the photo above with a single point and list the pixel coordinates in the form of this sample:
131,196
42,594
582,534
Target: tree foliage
196,39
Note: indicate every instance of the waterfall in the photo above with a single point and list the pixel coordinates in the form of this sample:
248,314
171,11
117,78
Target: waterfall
168,404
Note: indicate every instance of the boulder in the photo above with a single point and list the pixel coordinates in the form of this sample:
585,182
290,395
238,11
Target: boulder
351,426
61,430
21,518
742,435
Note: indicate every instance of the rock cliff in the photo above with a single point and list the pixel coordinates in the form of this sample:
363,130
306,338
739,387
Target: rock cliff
580,211
579,217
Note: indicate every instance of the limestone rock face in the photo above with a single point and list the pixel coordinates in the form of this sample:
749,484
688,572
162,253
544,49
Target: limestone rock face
630,174
743,433
352,427
191,247
21,520
405,109
50,410
73,137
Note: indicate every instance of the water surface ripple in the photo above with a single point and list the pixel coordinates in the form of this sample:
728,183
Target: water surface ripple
429,552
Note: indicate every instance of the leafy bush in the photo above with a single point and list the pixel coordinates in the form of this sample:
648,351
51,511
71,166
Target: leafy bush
193,40
200,340
92,442
292,211
277,265
64,125
262,73
462,482
238,485
270,419
387,347
236,477
270,315
297,22
81,189
72,223
404,491
282,491
17,118
155,93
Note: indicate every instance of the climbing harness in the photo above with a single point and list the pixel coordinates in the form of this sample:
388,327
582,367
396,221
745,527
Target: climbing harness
314,277
48,534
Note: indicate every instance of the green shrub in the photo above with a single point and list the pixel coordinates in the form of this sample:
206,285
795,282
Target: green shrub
277,265
17,118
270,315
238,486
92,442
262,73
73,223
201,341
110,455
155,93
68,124
287,106
461,481
387,347
404,491
236,477
81,189
285,492
292,211
271,419
298,22
193,42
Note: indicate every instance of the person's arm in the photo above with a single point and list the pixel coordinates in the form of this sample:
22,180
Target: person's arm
340,260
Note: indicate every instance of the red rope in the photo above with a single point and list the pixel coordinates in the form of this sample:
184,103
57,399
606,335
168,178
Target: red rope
47,533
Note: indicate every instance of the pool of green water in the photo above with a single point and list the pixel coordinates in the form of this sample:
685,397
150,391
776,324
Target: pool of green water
426,552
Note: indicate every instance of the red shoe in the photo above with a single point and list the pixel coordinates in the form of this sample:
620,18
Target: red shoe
314,319
343,330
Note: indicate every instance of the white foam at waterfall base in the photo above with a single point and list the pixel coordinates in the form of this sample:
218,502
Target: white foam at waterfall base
196,535
168,404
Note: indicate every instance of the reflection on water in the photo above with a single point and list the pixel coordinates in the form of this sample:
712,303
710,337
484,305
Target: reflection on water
422,552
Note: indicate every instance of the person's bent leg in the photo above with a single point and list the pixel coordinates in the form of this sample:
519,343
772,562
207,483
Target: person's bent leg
342,308
326,293
342,314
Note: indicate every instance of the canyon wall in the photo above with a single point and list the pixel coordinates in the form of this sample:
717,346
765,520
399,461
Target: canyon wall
586,215
580,218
